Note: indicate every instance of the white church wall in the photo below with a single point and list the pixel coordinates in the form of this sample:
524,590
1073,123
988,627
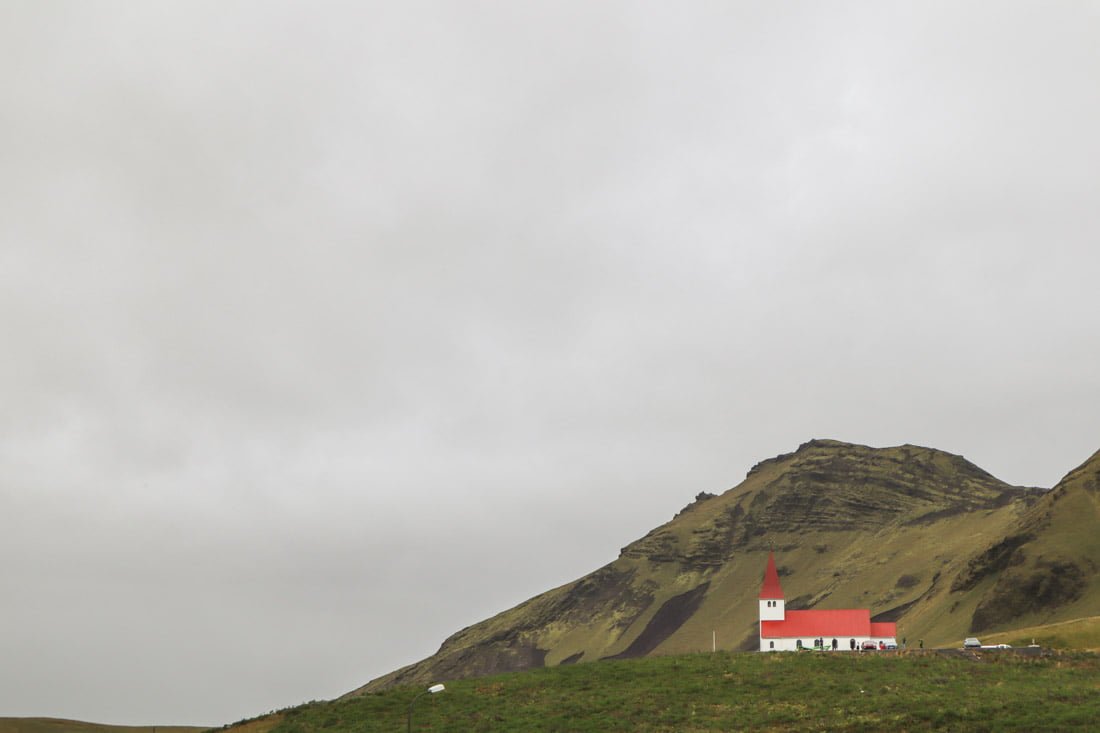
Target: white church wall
844,644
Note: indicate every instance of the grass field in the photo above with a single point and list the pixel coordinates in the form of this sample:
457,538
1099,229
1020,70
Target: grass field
726,692
1081,633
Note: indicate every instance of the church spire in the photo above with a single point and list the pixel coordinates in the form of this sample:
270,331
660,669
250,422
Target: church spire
771,589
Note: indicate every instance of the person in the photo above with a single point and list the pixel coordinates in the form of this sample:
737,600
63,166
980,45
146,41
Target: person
921,642
834,645
852,643
882,646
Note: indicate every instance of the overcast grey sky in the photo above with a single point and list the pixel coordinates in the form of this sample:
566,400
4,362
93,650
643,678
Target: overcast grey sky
331,328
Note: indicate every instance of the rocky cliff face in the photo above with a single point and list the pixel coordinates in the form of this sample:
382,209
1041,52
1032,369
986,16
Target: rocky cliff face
827,486
920,536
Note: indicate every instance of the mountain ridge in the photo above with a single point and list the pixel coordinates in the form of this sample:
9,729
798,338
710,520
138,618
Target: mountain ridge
918,535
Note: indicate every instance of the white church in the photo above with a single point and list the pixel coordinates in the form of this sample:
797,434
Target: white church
843,629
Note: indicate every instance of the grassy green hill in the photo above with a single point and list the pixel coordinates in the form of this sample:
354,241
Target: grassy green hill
1044,570
919,536
59,725
727,692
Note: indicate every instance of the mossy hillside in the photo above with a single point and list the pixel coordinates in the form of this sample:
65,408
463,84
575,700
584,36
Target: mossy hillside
1045,569
887,529
723,692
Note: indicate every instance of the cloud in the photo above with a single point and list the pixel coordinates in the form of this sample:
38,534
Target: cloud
332,330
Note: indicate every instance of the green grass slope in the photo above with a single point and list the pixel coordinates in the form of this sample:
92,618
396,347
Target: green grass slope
888,529
1078,634
1044,570
724,692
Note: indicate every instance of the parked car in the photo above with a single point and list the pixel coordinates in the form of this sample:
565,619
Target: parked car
891,646
869,646
1002,646
972,643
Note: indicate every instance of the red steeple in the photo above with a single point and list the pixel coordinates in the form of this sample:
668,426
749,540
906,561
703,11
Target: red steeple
771,590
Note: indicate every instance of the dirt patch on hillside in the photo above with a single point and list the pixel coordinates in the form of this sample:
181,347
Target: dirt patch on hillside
669,617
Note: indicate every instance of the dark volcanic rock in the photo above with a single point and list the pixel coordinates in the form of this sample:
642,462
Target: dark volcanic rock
1003,554
669,617
1050,585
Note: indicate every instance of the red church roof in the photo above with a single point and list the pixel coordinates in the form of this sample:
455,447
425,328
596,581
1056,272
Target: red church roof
771,590
884,629
840,622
